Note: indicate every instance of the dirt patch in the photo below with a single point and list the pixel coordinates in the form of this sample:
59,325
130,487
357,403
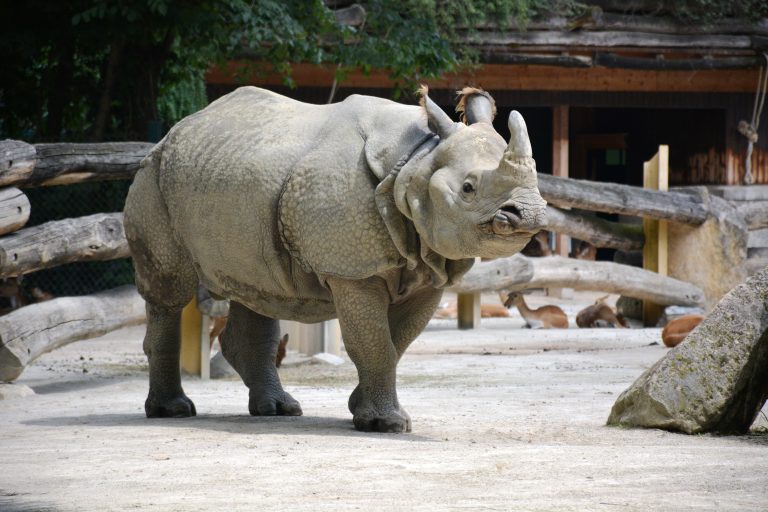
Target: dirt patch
503,419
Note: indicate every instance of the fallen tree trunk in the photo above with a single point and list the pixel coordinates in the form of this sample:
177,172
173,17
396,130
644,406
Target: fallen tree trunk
14,210
29,332
597,231
94,238
64,163
615,198
520,273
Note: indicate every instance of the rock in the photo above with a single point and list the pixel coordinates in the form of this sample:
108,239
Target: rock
8,390
719,245
717,381
326,358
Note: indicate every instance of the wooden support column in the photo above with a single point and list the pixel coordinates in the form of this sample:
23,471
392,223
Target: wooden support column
468,310
195,344
560,149
655,177
311,339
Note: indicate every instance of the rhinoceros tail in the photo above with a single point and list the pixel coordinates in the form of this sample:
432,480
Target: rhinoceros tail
472,113
154,156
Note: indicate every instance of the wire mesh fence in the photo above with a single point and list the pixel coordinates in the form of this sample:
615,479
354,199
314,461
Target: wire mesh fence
76,200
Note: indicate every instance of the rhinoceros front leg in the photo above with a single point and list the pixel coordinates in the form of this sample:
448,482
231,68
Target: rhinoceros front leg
249,343
407,320
362,307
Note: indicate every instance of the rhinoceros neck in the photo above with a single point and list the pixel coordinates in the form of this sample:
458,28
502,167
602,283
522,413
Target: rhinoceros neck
425,146
401,227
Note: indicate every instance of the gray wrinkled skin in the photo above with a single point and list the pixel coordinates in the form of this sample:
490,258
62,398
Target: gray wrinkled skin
363,209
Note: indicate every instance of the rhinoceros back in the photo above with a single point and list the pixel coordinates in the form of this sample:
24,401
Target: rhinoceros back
266,193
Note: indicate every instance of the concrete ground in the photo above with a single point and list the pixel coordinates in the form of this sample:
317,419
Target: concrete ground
504,418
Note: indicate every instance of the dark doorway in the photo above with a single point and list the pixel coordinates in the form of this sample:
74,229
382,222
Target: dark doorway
611,144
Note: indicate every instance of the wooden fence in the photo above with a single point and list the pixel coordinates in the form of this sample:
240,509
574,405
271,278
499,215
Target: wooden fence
101,237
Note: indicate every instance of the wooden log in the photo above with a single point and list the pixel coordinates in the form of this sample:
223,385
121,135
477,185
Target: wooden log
93,238
610,21
14,209
63,163
611,60
17,159
504,56
612,39
615,198
29,332
599,232
520,273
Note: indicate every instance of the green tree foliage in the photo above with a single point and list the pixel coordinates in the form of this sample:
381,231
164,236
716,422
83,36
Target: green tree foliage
112,69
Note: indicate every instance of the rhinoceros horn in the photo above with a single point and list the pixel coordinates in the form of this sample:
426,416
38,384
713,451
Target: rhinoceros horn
518,157
475,106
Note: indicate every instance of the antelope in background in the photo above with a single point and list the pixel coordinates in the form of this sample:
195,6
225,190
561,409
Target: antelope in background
600,314
677,329
545,317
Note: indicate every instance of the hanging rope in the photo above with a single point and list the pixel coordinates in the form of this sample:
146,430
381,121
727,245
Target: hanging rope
749,130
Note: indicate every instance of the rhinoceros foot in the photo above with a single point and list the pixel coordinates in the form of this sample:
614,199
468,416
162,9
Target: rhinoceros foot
368,418
178,406
278,403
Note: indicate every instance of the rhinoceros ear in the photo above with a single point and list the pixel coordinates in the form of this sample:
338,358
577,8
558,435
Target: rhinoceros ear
475,106
438,121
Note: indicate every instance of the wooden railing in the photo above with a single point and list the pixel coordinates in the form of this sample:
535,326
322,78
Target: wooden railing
101,237
32,330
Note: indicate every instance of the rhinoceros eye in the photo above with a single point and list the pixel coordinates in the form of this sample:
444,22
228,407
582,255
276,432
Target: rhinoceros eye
468,188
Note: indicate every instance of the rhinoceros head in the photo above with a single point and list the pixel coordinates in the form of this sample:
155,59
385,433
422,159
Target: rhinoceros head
474,194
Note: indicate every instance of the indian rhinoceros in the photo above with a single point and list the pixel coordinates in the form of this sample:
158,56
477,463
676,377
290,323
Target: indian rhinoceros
362,210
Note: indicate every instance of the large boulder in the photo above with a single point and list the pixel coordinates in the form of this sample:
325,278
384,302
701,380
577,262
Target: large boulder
718,245
716,380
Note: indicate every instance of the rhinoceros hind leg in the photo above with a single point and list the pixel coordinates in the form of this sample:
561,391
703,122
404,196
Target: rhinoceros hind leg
166,278
249,343
166,398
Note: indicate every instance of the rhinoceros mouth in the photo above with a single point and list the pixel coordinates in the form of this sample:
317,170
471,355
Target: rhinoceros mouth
507,221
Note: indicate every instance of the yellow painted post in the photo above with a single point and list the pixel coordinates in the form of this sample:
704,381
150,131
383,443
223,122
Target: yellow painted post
655,250
560,151
191,334
468,310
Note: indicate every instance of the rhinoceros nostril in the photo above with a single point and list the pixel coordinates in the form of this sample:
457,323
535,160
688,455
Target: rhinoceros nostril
513,210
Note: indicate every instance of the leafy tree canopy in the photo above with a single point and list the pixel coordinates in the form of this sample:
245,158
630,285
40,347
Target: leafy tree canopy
113,69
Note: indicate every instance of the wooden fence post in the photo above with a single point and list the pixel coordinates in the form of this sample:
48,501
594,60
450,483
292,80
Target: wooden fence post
560,151
195,347
655,177
468,310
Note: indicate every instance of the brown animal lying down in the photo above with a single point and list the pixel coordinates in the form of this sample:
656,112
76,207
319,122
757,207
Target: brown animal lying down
450,310
220,322
600,314
676,330
545,317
